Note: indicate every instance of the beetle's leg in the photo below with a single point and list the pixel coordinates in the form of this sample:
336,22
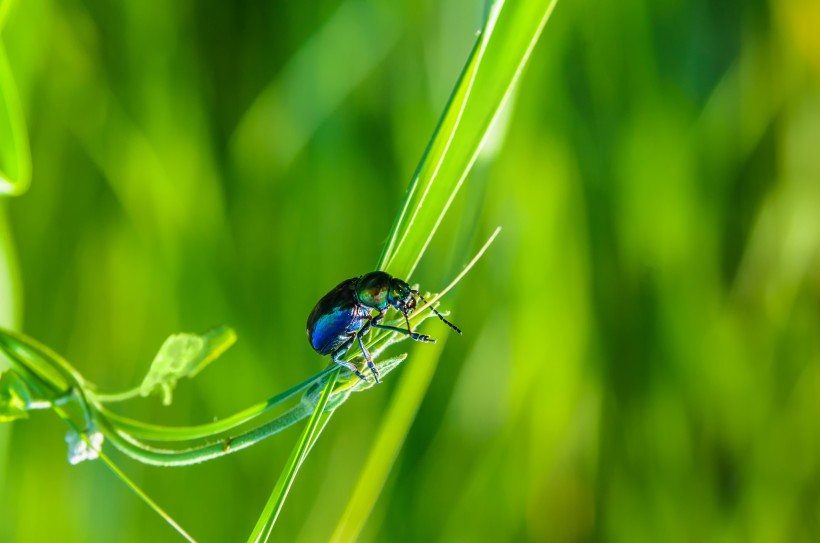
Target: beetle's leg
404,310
418,337
407,320
378,318
366,354
343,348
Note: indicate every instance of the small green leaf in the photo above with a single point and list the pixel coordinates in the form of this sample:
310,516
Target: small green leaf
15,397
184,355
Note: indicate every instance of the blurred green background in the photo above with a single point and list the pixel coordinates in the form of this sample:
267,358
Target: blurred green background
641,357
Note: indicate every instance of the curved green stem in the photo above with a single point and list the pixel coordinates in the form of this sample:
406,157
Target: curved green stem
114,397
35,358
184,457
157,432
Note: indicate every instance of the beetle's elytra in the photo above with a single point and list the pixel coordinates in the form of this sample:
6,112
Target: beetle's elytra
345,314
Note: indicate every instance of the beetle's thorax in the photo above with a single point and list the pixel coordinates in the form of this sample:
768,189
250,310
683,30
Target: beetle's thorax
373,289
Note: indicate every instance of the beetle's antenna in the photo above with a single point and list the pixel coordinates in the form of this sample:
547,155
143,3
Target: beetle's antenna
433,309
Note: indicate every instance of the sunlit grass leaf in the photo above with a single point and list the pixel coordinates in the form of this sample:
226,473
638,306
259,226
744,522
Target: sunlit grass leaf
267,519
15,397
15,159
184,355
498,58
491,71
495,65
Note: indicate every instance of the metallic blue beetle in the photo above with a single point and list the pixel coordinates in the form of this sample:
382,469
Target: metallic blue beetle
345,314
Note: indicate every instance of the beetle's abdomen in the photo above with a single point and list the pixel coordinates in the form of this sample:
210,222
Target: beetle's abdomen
329,330
334,317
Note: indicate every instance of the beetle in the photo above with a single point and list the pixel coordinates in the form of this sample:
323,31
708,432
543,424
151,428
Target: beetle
345,314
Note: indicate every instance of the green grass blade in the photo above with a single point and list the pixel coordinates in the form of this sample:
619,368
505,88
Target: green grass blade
15,158
486,84
145,497
494,67
397,420
394,428
262,530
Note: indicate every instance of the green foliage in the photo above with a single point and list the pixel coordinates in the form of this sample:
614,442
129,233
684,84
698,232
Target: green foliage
639,359
184,355
486,84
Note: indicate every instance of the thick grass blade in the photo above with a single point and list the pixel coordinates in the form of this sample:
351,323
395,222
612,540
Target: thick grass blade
495,65
146,498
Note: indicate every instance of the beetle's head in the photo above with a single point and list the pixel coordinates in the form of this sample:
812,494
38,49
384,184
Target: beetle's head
400,296
403,298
